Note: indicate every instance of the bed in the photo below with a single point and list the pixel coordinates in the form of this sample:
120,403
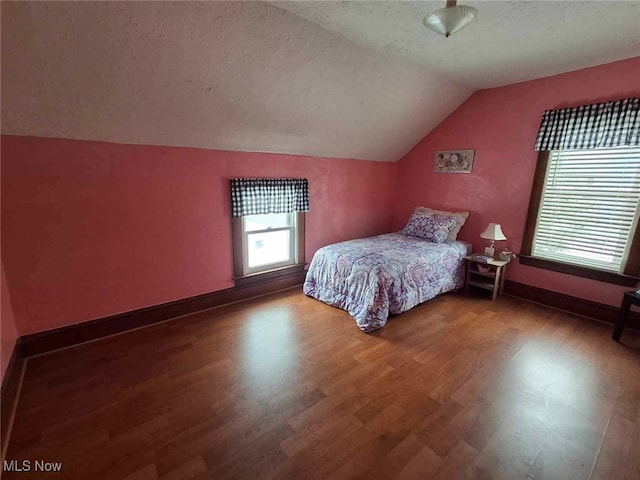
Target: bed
391,273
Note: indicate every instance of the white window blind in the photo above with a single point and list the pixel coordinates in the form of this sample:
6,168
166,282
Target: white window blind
589,207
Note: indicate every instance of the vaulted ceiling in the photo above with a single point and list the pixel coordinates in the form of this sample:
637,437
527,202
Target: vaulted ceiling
360,80
508,42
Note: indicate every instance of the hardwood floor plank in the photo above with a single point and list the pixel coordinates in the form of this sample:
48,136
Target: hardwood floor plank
615,451
422,465
287,387
147,473
394,462
456,463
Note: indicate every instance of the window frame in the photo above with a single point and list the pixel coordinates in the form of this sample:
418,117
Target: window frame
631,273
244,275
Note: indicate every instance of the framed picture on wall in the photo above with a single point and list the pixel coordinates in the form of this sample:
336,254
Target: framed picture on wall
454,161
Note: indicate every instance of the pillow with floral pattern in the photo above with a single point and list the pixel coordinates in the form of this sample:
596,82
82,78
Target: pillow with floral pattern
462,218
434,227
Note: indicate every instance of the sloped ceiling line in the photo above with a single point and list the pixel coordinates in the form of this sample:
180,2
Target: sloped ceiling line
242,76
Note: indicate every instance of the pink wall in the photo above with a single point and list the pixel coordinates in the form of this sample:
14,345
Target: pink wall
8,331
501,125
91,229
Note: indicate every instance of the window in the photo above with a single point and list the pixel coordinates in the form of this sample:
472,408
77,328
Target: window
587,212
269,241
583,213
268,226
588,207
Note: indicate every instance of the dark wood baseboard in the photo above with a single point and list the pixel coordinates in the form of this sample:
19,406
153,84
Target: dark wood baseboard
43,342
9,391
47,341
578,306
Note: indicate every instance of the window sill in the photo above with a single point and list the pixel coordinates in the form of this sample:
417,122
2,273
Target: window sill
579,271
269,275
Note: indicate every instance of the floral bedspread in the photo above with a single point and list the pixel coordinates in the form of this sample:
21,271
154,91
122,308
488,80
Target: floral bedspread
391,273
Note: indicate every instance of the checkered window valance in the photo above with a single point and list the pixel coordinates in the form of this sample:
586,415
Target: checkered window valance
254,196
610,124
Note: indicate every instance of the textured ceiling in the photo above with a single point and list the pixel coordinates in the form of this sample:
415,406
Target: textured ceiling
243,76
334,79
508,42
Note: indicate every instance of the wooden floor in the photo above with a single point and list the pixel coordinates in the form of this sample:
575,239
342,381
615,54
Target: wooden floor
287,387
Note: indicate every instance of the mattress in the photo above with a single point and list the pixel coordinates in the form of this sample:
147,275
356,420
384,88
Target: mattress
373,277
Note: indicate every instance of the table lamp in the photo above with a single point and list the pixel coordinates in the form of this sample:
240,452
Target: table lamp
493,232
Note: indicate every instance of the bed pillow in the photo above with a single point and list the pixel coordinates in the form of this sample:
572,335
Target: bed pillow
431,226
453,235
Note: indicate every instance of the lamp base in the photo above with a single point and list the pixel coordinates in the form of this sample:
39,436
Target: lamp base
489,251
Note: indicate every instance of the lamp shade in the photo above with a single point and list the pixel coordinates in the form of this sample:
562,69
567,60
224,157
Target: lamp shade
450,19
493,232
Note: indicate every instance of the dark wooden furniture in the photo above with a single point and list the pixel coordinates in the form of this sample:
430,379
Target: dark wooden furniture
629,298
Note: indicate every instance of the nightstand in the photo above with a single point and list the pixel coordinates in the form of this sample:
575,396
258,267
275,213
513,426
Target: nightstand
492,279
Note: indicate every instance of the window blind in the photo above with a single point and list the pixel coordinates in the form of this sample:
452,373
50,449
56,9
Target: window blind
589,207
